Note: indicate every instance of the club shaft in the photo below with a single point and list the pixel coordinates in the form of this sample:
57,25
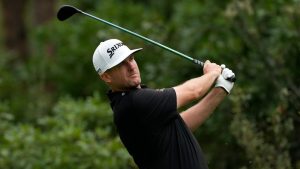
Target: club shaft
146,39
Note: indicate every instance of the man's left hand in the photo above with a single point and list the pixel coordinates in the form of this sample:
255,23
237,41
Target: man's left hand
222,82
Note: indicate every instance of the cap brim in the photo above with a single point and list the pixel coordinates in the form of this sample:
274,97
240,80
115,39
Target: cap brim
124,57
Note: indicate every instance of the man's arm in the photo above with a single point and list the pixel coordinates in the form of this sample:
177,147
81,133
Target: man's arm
196,88
197,114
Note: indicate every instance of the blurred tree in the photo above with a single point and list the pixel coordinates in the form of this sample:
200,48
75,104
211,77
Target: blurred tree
15,33
15,27
44,10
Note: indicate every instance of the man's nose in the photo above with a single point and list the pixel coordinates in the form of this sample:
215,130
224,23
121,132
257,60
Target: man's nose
130,65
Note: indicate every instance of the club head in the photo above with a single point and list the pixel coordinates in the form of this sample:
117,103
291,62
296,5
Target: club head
66,11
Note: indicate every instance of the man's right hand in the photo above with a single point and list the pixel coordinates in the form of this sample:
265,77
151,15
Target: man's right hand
211,67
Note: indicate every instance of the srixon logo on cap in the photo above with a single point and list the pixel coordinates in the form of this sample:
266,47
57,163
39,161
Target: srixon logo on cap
112,50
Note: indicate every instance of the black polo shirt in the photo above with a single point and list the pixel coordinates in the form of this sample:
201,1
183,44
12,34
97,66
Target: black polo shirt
153,131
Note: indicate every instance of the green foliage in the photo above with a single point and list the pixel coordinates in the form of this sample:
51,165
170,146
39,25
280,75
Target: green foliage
266,148
79,134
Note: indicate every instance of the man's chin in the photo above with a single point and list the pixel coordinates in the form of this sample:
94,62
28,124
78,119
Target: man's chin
136,84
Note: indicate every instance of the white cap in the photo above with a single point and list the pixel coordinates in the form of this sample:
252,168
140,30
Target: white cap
110,53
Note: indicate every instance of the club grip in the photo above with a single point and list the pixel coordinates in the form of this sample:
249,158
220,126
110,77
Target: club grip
232,79
198,62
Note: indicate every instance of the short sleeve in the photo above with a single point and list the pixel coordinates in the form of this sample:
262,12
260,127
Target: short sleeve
155,107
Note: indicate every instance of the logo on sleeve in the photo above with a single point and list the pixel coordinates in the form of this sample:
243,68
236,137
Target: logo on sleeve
111,51
160,90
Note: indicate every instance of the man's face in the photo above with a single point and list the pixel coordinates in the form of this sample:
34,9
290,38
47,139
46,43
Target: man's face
124,76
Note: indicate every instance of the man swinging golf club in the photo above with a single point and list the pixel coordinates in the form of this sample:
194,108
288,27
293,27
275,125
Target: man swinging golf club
147,120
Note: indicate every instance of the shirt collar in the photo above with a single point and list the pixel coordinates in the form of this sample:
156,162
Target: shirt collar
110,94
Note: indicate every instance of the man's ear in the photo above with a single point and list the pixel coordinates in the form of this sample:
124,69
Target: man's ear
105,77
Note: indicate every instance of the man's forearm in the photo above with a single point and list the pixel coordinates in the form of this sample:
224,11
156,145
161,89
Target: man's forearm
197,114
194,88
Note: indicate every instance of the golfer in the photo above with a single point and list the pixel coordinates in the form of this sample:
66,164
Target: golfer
147,120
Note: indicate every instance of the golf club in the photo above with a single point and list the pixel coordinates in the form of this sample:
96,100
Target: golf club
66,11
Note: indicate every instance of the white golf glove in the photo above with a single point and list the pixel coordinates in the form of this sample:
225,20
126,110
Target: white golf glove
222,82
